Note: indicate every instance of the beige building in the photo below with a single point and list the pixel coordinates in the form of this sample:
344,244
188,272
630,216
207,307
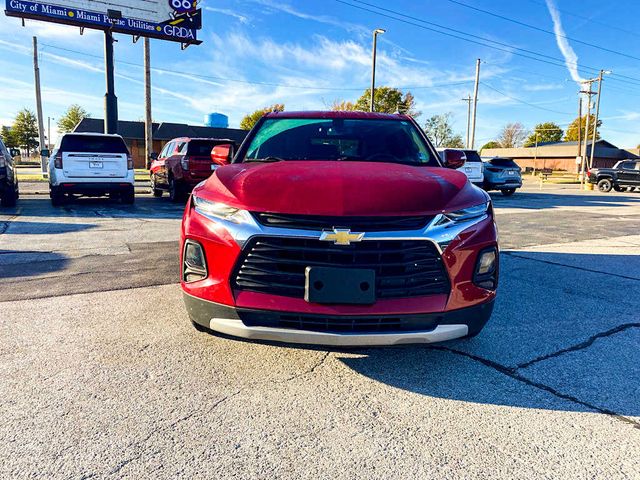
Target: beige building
562,155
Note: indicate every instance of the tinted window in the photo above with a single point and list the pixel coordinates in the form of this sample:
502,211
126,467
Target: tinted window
375,140
201,147
93,144
628,165
503,162
472,156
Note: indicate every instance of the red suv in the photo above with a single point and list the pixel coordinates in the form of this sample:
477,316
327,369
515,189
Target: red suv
182,164
339,228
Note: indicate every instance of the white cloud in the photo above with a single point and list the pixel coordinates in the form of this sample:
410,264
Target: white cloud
228,12
570,57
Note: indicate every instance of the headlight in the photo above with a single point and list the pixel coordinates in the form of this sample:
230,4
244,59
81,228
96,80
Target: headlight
219,210
465,214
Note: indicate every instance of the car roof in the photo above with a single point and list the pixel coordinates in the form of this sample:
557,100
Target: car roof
208,139
338,114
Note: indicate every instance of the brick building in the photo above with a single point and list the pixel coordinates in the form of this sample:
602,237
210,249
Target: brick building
562,155
133,134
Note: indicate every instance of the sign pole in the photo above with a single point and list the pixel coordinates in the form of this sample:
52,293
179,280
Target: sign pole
148,119
36,72
110,99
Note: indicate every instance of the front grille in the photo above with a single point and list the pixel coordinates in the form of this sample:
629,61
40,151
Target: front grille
404,268
332,323
356,224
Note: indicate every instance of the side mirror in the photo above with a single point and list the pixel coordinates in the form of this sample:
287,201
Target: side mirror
14,152
45,152
453,158
153,156
221,154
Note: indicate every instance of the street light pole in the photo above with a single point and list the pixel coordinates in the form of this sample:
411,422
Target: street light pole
595,128
373,65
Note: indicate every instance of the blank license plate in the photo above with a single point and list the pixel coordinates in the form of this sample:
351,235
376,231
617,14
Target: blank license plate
510,173
340,285
468,170
95,164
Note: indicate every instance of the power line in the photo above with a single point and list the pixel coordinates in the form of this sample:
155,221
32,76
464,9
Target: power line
523,101
533,27
486,42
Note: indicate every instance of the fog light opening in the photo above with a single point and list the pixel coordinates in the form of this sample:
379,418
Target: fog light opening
486,271
194,265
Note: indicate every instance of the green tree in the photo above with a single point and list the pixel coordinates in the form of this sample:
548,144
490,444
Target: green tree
545,132
439,130
71,118
8,138
491,144
388,100
25,129
249,120
572,130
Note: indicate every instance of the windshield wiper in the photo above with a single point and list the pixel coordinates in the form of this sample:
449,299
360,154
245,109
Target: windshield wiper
265,160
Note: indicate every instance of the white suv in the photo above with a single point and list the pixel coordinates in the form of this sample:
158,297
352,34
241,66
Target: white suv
91,164
473,168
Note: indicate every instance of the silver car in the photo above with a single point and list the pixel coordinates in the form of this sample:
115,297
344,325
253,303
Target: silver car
502,174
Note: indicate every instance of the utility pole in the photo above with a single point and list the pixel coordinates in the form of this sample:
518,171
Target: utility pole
36,72
589,94
468,100
595,128
475,104
110,99
580,125
373,65
148,120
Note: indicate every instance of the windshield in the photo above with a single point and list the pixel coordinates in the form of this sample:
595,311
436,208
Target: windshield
396,141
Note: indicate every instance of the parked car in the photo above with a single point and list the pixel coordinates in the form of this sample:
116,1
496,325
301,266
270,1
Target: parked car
625,175
502,174
473,167
340,228
182,164
92,165
9,191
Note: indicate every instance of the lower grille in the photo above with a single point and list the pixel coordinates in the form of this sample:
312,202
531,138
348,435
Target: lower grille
338,324
404,268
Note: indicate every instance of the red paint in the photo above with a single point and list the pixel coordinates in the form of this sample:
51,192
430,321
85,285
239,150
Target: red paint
339,188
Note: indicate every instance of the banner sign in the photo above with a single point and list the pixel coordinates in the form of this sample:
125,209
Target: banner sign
175,20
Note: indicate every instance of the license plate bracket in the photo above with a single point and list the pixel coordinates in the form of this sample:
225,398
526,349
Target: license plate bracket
355,286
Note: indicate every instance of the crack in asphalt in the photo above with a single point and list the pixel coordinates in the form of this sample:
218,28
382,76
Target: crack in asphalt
583,269
512,373
587,343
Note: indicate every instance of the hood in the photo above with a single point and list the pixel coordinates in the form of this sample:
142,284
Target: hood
340,188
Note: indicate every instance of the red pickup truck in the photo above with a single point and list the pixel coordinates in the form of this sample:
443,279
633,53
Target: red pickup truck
339,228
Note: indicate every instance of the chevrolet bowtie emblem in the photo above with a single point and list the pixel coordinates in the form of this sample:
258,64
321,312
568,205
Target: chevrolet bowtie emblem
341,236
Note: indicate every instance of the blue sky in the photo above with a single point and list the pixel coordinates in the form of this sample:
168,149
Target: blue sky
307,53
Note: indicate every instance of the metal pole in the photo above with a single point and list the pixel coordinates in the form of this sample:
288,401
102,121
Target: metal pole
148,121
36,72
468,100
595,125
475,104
49,132
579,130
373,70
586,136
535,155
110,99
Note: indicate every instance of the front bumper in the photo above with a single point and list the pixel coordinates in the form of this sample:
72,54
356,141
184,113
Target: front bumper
267,325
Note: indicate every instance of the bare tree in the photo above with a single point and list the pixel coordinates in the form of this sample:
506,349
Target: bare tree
512,135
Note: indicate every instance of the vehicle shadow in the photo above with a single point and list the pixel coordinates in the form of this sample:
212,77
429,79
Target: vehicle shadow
14,264
556,326
14,227
143,208
541,200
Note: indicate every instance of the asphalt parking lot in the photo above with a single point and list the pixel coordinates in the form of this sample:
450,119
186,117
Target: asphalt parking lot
103,375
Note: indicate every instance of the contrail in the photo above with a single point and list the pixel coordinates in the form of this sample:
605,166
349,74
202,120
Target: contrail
570,57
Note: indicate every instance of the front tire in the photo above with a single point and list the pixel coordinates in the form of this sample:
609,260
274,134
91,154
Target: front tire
154,189
508,192
605,185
